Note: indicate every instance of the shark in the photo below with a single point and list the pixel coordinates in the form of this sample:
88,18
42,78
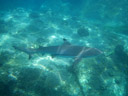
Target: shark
65,50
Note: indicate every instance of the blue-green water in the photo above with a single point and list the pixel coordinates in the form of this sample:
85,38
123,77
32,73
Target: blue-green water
101,24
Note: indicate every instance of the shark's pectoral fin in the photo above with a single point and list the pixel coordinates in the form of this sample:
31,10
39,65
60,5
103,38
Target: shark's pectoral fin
76,61
72,68
65,42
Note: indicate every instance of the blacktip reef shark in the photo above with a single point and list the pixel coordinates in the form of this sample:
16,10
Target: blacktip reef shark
64,50
68,50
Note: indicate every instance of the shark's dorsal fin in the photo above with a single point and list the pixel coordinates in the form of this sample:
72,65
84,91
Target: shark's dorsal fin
66,42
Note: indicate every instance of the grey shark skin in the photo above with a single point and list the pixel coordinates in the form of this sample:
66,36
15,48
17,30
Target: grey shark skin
64,50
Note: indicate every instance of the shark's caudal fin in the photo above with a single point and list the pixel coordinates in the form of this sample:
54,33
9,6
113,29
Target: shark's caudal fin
23,50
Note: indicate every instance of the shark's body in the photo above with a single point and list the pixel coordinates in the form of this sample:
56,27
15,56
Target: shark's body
64,50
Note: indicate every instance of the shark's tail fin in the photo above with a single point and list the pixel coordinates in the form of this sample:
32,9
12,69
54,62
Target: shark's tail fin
23,50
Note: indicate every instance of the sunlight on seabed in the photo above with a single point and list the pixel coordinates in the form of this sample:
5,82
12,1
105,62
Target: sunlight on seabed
8,17
38,64
46,61
4,38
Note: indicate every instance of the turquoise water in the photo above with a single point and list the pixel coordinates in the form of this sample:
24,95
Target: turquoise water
101,24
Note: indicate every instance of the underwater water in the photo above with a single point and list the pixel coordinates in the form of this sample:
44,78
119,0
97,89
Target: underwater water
32,32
